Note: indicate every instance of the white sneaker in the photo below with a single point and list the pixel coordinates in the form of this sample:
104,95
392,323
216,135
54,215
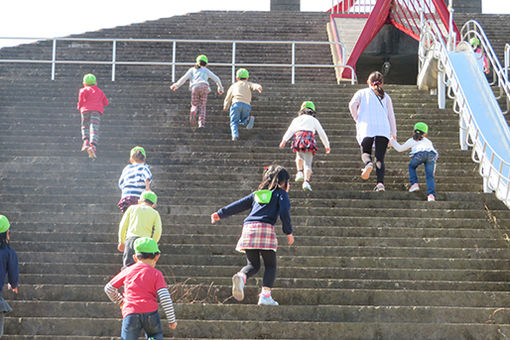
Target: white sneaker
299,176
365,172
414,187
250,123
379,187
238,287
431,198
306,186
267,301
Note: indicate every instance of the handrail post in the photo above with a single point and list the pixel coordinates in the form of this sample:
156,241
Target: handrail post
293,71
114,57
233,61
174,45
451,33
53,58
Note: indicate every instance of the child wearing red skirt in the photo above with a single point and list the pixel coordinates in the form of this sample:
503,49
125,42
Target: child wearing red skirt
303,129
258,237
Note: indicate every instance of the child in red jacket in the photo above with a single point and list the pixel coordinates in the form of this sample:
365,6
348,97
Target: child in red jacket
91,101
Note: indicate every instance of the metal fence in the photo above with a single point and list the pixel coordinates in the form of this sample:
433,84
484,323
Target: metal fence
292,64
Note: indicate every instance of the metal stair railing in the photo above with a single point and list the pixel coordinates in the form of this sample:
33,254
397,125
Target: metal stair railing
491,164
234,43
472,29
352,6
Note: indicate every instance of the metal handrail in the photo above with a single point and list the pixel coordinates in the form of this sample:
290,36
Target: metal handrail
500,75
293,65
352,6
493,178
507,60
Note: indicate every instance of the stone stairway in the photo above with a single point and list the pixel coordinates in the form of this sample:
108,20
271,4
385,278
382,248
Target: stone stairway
365,265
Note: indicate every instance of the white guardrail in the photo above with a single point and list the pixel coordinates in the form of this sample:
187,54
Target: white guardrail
352,6
507,61
234,43
491,164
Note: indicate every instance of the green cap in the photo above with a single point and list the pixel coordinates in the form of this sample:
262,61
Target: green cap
242,73
308,104
203,58
263,196
421,127
145,245
150,196
474,41
89,79
137,148
4,224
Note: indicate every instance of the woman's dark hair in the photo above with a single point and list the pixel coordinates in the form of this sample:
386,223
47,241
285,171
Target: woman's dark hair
273,176
418,135
142,256
200,64
376,80
3,240
307,111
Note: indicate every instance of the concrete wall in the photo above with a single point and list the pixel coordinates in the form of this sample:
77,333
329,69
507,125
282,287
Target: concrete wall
286,5
467,6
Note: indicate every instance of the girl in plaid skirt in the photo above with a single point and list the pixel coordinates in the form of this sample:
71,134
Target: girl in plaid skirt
303,129
258,237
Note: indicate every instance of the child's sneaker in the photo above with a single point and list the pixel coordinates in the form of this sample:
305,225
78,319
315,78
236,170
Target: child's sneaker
250,123
365,172
193,118
431,198
299,176
267,301
414,187
238,287
201,125
92,151
379,187
85,145
306,186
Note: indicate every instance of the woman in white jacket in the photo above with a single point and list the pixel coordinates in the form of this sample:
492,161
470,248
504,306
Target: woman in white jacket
372,110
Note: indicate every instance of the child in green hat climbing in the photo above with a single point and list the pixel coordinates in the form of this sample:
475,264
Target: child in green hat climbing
422,152
8,266
143,284
258,237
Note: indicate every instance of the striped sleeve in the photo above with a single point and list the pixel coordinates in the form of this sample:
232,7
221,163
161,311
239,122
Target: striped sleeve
113,293
166,302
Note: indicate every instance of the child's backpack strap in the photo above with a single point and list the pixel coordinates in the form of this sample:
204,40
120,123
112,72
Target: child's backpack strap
263,196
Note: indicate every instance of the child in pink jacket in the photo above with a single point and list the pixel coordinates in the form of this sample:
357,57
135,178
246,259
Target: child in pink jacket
91,101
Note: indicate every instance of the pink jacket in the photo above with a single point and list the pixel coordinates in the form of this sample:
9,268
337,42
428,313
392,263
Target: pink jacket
91,98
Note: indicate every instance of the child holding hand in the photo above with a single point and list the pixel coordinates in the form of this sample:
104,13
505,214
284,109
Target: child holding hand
422,152
258,237
303,128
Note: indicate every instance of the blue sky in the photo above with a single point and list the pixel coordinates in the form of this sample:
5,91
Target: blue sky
54,18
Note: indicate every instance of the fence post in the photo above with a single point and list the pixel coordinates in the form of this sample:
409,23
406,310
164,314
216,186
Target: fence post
174,46
293,71
53,58
233,61
114,57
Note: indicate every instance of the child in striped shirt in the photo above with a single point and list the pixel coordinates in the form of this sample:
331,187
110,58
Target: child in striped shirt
142,283
135,178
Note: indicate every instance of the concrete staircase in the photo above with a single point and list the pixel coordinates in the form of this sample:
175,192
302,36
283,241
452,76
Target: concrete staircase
365,265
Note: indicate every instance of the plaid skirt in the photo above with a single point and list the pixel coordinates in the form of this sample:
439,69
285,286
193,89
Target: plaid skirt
304,141
257,236
126,202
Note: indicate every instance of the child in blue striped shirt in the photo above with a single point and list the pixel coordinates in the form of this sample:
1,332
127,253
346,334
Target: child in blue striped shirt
135,178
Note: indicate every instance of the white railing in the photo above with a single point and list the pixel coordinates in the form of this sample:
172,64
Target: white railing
491,164
352,6
507,61
173,63
472,29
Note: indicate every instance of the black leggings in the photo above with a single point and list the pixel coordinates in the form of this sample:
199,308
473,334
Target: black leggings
381,144
253,265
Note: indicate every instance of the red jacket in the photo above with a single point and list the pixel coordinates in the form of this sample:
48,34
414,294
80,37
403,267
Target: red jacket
91,98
